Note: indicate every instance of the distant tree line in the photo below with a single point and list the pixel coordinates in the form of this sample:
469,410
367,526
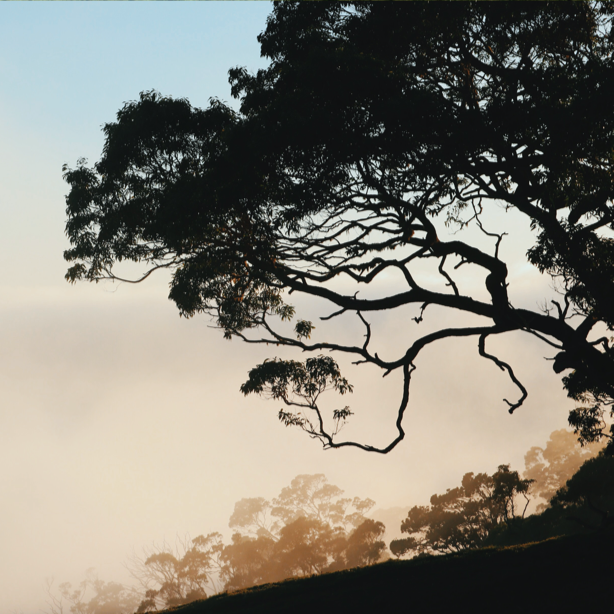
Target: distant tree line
311,528
573,487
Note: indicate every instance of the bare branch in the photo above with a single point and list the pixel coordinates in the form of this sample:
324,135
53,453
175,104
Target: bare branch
450,280
504,367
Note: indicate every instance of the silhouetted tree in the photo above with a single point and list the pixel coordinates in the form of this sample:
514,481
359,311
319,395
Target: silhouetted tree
552,466
591,425
249,561
306,546
364,544
588,497
463,517
308,529
374,126
584,505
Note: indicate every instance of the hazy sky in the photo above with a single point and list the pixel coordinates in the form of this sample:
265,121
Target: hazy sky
122,424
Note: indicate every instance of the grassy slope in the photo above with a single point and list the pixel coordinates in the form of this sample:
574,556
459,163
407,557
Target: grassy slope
563,574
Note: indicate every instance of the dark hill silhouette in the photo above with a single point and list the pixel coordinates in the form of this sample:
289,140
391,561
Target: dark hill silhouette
554,575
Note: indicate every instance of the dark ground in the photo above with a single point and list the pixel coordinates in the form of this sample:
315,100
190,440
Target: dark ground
565,574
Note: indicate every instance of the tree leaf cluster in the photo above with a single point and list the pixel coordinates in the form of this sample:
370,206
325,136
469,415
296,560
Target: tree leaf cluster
551,466
309,528
584,505
299,385
463,517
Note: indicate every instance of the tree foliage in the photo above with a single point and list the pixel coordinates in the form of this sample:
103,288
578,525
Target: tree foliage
584,505
588,497
375,126
592,426
552,466
171,577
92,596
300,385
463,517
308,529
307,496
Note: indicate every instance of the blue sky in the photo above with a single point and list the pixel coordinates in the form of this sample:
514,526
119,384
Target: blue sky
66,68
122,424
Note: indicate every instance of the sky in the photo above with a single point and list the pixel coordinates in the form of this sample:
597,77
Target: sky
122,424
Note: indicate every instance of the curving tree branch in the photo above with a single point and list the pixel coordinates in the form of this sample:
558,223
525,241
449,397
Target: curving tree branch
372,131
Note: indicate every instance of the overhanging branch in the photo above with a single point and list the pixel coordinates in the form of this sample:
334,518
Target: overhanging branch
504,367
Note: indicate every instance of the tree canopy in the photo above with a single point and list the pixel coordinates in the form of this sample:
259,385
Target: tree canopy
463,517
92,596
588,496
583,505
309,529
373,127
550,467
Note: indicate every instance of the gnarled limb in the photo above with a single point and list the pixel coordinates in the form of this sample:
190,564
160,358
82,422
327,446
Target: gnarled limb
368,135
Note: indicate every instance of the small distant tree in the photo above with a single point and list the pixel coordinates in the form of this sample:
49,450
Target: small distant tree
365,545
307,496
252,517
552,466
311,495
247,562
308,529
174,578
92,596
583,505
463,517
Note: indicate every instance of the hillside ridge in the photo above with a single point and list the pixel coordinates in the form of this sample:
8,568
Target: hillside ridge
561,572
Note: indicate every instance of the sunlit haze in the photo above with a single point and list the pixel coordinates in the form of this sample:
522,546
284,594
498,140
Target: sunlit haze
121,423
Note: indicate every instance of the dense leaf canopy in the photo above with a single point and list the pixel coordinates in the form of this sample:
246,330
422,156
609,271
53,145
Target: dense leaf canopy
308,529
373,127
463,517
590,493
551,466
